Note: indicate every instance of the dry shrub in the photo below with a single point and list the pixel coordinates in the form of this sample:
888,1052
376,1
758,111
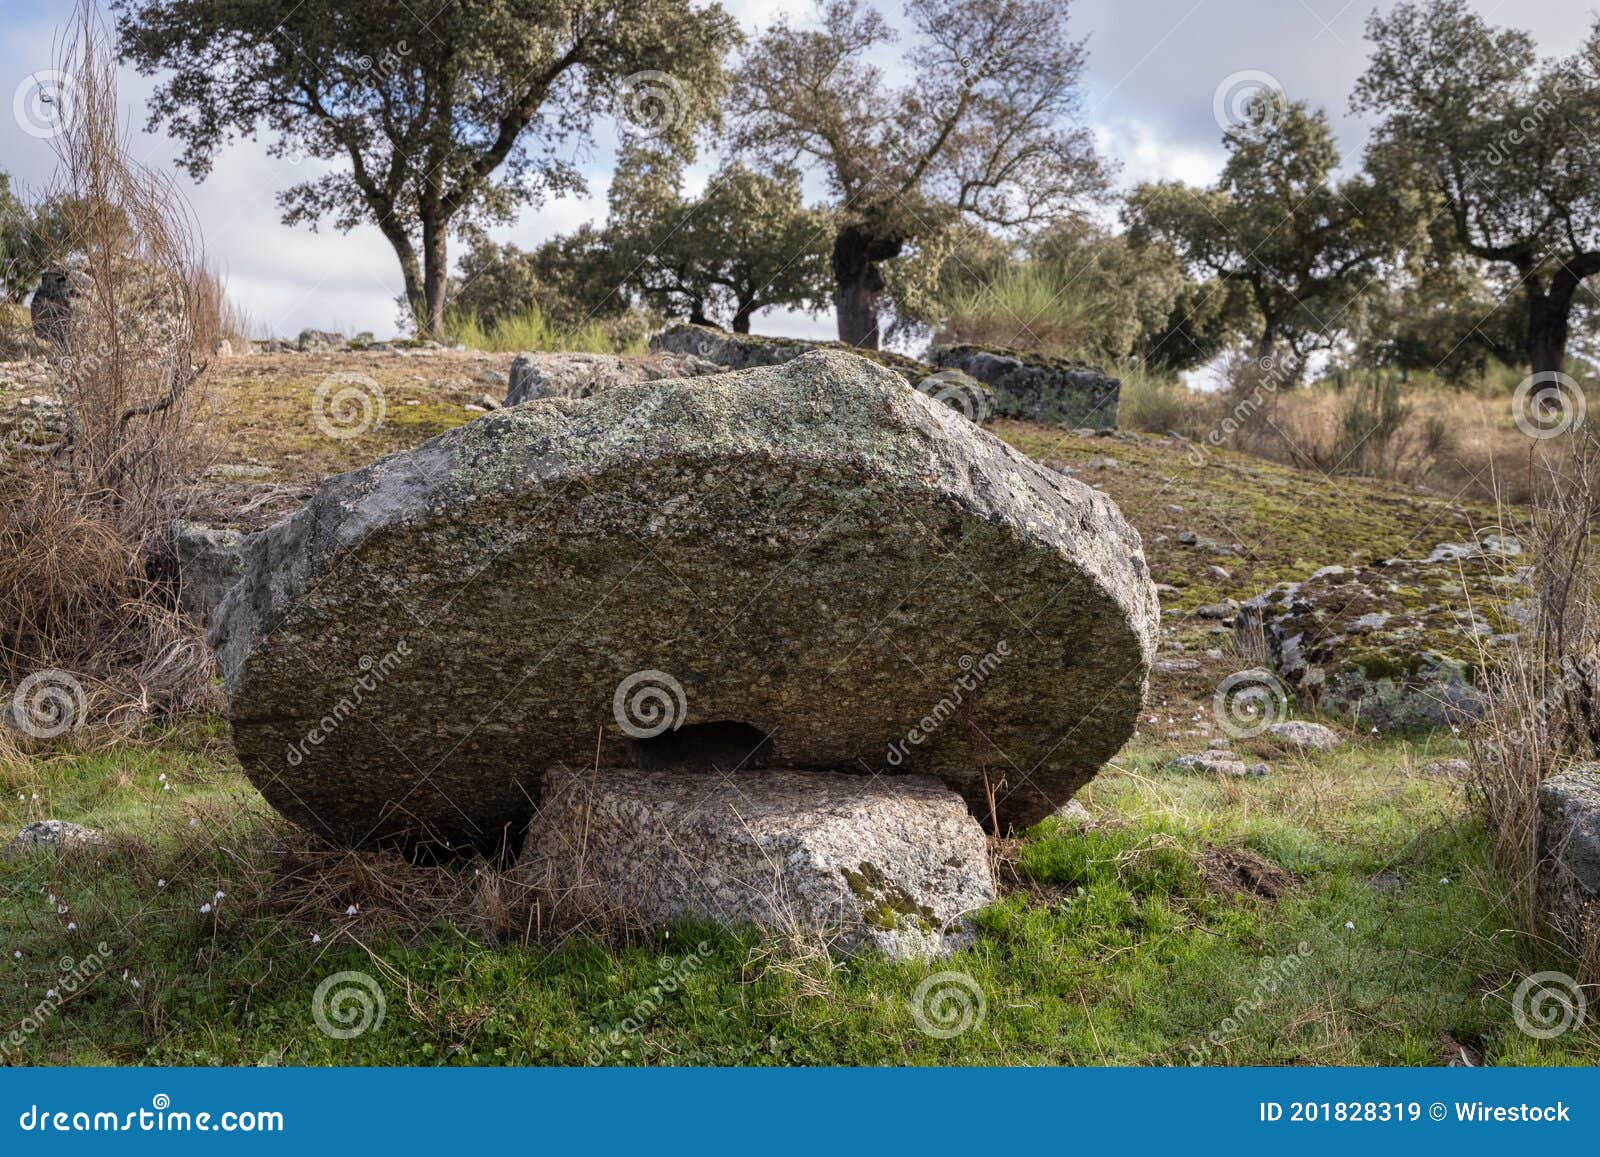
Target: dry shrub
84,532
1543,698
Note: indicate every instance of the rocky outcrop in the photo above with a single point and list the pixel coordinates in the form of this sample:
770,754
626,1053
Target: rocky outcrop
1035,388
581,375
814,552
319,341
892,863
1391,645
743,351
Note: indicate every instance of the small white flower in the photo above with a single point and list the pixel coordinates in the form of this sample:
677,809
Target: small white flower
350,911
61,909
219,894
1350,925
161,883
193,821
1444,879
133,980
35,797
72,925
162,777
315,939
18,954
49,992
204,908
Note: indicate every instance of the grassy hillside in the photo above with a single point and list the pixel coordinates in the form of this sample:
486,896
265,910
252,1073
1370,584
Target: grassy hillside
1340,910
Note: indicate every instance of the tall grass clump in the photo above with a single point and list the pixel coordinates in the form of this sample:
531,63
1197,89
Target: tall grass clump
1028,306
1543,697
531,329
85,527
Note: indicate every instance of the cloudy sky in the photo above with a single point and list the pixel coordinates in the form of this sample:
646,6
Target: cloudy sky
1155,67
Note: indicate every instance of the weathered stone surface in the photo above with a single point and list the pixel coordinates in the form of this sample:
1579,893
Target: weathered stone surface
1569,850
580,375
53,836
52,303
743,351
814,550
1219,762
1392,645
1037,388
208,564
895,863
319,341
1305,735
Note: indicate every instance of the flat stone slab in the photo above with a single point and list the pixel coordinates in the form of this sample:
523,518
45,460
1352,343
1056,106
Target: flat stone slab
814,551
549,375
893,863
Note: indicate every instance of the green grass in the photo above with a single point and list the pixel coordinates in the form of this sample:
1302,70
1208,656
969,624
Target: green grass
531,330
1113,947
1032,306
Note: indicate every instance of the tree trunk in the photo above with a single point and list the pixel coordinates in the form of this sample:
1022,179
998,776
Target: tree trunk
435,271
741,316
1547,334
857,283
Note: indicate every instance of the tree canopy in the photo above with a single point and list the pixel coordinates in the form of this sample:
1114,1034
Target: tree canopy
1509,146
440,114
1302,245
983,128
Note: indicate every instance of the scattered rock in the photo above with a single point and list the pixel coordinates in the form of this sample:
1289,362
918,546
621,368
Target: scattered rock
1177,666
493,378
1448,769
1036,388
319,341
1219,762
208,564
1386,881
236,472
583,375
894,863
53,836
1304,735
1073,812
672,566
1226,609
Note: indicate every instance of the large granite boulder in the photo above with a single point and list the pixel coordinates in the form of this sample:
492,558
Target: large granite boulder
1569,854
1036,388
814,554
743,351
580,375
1397,644
895,863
